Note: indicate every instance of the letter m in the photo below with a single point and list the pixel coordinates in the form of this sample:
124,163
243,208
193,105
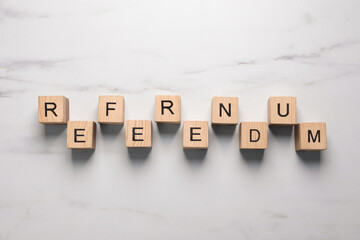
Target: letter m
311,136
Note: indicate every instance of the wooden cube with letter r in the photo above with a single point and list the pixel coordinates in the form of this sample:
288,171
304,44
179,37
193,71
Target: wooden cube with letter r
253,135
81,134
138,134
310,136
167,109
53,109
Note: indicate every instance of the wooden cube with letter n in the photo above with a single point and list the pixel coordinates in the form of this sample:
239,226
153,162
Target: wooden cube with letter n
196,135
310,136
138,133
224,111
253,135
53,109
282,111
111,110
167,109
81,135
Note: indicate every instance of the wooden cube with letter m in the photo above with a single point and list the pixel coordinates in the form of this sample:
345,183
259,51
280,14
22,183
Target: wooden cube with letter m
310,136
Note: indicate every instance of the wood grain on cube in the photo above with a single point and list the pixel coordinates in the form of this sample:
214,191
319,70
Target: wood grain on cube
282,111
138,133
310,136
111,110
168,109
81,134
224,111
195,135
253,135
53,109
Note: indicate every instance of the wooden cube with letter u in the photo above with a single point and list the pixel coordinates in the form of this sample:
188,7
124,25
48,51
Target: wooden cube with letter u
282,111
253,135
195,135
138,134
81,134
310,136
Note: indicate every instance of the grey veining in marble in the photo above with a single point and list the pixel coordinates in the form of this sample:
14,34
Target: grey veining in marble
197,49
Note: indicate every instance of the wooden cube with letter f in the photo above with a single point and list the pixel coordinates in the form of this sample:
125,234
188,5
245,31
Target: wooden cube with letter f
111,110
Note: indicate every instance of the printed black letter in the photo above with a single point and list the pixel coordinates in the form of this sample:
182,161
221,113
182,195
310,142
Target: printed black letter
107,107
78,135
167,107
50,109
287,110
136,133
254,140
310,136
227,112
192,134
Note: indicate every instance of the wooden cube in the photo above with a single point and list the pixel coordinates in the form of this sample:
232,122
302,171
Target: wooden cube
53,109
111,110
282,111
224,111
81,134
195,135
138,133
167,109
310,136
253,135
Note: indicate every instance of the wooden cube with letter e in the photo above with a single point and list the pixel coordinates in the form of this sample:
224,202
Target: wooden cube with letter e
138,134
310,136
253,135
195,135
167,109
53,109
81,134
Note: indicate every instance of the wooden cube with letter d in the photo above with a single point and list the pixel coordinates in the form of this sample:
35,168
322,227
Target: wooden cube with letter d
253,135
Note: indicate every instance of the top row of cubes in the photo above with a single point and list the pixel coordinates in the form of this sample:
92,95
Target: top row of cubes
55,110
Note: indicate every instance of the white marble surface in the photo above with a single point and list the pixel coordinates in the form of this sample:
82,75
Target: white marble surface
198,49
